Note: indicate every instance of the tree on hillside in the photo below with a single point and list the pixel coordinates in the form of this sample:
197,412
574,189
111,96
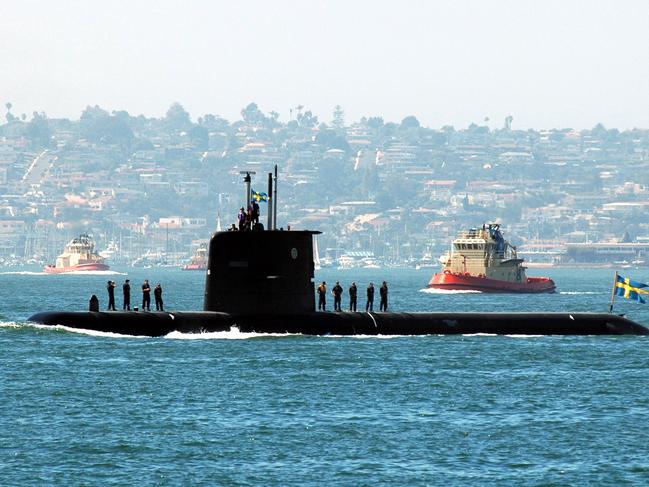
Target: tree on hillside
410,122
252,114
307,119
200,137
214,122
9,116
98,126
38,131
177,117
329,139
374,122
338,121
599,131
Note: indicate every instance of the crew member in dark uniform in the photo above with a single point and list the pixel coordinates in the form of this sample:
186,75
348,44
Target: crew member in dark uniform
157,294
383,291
337,291
146,296
242,219
111,295
255,212
322,296
126,288
369,306
353,292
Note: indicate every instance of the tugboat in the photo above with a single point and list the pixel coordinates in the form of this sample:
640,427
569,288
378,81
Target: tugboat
198,262
79,255
482,260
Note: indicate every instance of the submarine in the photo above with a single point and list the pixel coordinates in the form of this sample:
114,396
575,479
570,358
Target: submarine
261,280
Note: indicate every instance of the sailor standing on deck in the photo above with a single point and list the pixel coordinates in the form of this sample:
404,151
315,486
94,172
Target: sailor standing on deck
322,296
111,295
242,219
337,291
157,294
353,293
369,306
383,291
146,296
126,289
255,212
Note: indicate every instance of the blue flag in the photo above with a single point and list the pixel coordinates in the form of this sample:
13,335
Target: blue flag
259,197
629,289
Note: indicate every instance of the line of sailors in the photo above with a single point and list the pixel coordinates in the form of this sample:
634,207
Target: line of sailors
337,292
146,296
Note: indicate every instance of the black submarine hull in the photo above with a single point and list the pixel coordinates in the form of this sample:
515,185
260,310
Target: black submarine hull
345,323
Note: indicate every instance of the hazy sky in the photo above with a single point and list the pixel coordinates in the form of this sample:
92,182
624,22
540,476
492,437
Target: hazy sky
547,63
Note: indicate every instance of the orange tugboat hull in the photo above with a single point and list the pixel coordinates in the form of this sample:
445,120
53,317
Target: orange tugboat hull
194,267
467,282
50,269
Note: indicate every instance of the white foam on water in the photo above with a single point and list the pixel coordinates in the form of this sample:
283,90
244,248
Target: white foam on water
575,293
94,333
81,331
479,334
519,335
364,337
22,273
232,334
449,291
10,324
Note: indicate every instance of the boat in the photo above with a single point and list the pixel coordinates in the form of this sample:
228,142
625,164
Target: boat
482,260
198,262
79,255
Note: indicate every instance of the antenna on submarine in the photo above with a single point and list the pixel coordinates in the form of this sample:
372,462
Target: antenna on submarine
275,201
271,202
247,179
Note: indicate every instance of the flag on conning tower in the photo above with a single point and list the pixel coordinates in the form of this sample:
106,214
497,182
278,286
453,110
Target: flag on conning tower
629,289
259,197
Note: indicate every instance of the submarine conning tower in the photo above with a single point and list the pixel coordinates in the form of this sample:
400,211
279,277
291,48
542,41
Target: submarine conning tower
260,272
257,271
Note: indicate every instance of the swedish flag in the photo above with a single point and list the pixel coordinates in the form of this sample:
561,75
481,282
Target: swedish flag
259,197
629,289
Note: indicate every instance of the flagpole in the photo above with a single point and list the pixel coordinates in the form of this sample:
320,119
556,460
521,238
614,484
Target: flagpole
610,309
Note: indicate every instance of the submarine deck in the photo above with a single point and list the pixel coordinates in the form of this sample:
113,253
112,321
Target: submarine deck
346,323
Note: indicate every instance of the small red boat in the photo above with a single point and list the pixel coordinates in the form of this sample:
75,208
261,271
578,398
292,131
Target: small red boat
79,256
198,261
482,260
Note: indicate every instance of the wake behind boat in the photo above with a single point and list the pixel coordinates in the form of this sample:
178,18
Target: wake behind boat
482,260
79,255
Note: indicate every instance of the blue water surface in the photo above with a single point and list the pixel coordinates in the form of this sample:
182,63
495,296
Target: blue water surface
236,409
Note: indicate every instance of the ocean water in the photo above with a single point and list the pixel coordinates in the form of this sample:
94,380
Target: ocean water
237,409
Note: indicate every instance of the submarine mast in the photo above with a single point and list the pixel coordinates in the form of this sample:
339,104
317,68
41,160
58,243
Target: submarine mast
247,179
